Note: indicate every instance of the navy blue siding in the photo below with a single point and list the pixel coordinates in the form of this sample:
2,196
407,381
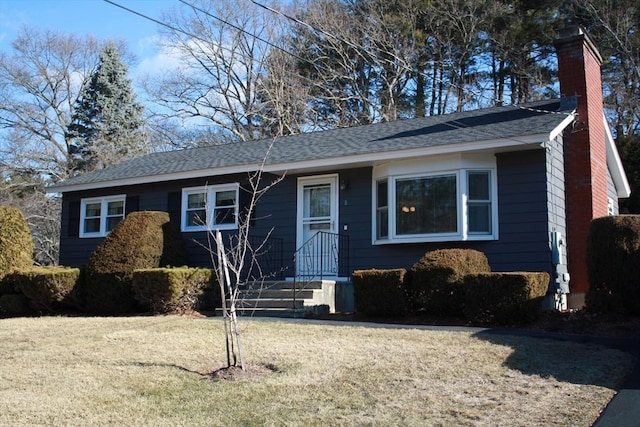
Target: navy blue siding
523,221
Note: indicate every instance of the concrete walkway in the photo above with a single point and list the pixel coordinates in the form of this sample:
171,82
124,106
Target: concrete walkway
622,411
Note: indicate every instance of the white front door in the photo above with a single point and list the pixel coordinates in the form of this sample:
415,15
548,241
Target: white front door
317,226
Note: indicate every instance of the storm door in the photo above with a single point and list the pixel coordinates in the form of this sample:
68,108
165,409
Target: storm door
317,239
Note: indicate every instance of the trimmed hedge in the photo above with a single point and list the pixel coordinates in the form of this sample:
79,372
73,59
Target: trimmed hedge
613,264
146,239
380,292
436,284
16,243
172,290
47,287
14,305
504,298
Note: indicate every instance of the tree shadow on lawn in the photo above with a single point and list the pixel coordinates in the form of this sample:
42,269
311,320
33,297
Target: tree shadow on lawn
226,373
577,359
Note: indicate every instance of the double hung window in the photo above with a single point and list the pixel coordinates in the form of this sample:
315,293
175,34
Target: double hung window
208,208
98,216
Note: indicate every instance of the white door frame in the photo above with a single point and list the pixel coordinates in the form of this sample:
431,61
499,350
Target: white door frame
301,221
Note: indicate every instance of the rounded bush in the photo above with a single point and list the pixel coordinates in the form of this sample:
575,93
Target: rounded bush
146,239
16,242
437,279
613,264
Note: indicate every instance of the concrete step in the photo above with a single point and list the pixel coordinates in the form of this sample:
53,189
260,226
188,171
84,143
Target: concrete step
277,293
284,284
272,312
270,303
282,298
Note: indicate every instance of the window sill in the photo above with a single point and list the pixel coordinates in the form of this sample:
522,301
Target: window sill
92,235
206,229
436,239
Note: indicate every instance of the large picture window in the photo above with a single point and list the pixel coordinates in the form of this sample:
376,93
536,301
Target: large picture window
208,208
447,206
98,216
426,205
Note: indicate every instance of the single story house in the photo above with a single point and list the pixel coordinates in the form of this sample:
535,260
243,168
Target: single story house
519,183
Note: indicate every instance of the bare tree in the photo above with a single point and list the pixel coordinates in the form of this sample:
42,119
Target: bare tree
615,25
41,81
41,212
285,97
237,264
354,61
222,47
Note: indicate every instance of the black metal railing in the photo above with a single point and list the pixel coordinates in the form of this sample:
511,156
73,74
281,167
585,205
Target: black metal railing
268,260
324,254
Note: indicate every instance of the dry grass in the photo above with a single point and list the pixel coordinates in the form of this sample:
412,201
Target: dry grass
153,371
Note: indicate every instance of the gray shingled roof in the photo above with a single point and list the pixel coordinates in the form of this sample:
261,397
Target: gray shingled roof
509,122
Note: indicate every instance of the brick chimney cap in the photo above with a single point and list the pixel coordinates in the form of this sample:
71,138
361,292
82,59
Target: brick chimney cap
567,36
571,31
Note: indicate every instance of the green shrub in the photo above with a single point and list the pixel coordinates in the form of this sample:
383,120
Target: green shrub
6,287
47,287
13,305
504,298
380,292
142,240
171,290
436,284
16,243
613,264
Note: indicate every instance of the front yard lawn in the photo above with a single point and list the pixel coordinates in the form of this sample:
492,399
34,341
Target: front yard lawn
158,371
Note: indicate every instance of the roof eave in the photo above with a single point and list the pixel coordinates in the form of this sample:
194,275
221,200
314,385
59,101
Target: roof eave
616,169
496,145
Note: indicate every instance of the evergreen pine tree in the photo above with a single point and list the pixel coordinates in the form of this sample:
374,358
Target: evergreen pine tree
107,125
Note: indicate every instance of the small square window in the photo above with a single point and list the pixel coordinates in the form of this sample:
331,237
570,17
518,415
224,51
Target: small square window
210,207
100,216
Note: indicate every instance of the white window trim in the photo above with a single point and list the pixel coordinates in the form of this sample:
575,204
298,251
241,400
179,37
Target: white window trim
462,233
209,192
104,201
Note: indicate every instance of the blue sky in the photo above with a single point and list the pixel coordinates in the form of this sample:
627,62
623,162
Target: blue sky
82,17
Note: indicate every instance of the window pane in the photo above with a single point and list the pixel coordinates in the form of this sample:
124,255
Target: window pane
382,223
317,201
382,194
112,222
92,209
196,218
115,208
195,201
382,214
92,225
226,198
480,218
478,186
426,205
225,216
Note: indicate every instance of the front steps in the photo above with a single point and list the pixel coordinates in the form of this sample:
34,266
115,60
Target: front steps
286,298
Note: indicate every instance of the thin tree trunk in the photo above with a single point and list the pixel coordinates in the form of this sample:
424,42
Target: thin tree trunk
233,319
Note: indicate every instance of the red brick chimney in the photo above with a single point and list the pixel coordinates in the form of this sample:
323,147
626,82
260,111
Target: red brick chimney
584,151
